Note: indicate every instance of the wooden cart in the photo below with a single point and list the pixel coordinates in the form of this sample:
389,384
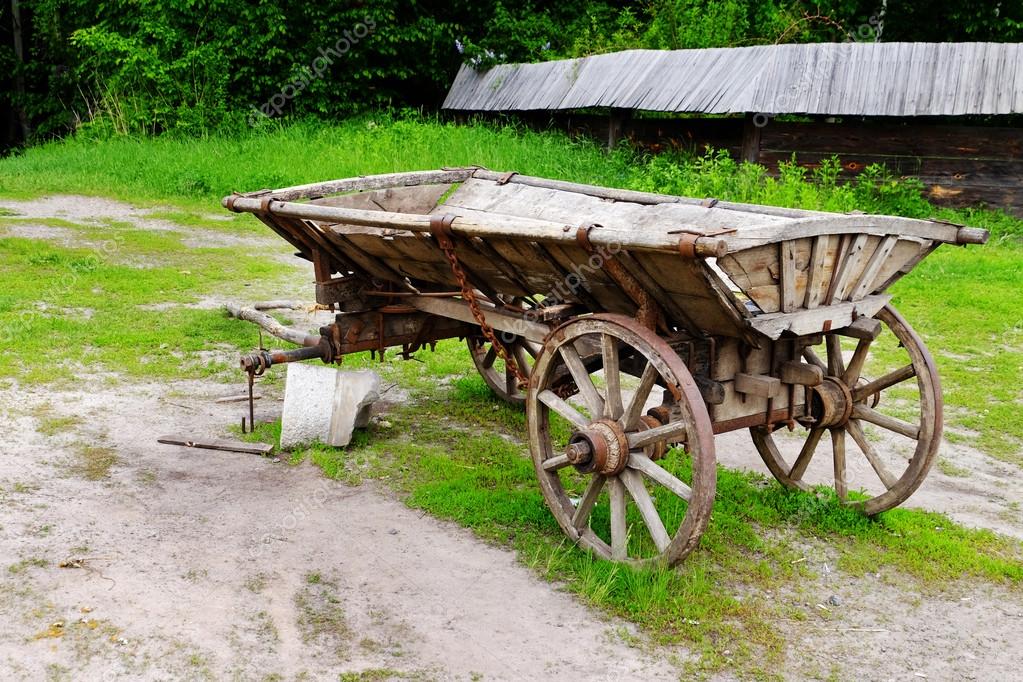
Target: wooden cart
629,323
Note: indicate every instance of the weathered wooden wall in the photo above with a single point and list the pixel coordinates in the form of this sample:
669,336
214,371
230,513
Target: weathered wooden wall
959,164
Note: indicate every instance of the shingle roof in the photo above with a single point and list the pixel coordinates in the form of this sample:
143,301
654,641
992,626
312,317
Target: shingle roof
870,79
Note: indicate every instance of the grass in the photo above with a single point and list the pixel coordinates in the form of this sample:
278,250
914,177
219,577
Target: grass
25,564
320,615
116,315
94,462
51,424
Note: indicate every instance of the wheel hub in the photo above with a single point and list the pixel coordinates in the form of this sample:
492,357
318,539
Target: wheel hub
602,448
831,403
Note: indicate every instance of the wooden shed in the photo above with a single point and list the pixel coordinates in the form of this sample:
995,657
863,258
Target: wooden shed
946,113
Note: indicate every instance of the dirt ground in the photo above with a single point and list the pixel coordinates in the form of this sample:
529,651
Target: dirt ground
126,559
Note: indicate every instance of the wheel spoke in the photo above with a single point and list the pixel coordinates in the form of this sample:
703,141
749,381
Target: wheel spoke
511,382
869,414
488,359
556,462
530,348
619,529
639,398
888,380
806,454
871,454
838,446
581,517
612,376
673,432
521,358
582,379
836,366
640,495
852,372
562,407
658,474
812,358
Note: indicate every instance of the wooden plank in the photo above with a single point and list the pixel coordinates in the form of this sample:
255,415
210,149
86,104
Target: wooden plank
877,260
859,257
407,199
820,269
787,283
757,384
751,140
367,182
728,360
501,320
599,285
796,372
913,139
864,328
218,444
818,319
849,249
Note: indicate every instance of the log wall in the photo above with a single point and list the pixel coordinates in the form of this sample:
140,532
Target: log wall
960,165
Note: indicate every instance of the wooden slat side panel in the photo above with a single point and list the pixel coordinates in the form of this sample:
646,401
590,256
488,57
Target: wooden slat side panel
906,251
861,249
758,273
689,282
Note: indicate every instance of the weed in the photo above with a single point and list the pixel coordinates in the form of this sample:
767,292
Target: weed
26,564
94,462
373,675
257,583
320,615
51,426
949,468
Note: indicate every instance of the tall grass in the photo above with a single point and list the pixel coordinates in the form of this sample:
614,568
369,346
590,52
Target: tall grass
198,171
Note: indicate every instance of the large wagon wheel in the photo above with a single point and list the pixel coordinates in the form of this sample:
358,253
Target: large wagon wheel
614,452
907,414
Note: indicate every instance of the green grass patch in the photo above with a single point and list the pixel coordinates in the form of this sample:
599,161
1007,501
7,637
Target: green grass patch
122,308
94,462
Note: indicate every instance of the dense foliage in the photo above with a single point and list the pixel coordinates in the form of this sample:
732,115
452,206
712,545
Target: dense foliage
187,65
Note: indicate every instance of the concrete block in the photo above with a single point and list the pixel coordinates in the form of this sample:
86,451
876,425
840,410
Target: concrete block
326,404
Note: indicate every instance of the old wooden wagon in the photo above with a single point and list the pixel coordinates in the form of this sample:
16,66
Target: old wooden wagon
629,323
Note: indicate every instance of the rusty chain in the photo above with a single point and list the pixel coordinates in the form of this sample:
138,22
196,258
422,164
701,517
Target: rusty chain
440,227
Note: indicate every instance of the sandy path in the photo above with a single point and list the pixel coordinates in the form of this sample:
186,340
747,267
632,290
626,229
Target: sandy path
201,560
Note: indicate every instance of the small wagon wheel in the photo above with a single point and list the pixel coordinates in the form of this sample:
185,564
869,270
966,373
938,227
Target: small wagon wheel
635,500
906,414
492,368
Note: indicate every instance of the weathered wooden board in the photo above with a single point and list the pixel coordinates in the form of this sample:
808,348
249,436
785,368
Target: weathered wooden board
574,209
410,199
